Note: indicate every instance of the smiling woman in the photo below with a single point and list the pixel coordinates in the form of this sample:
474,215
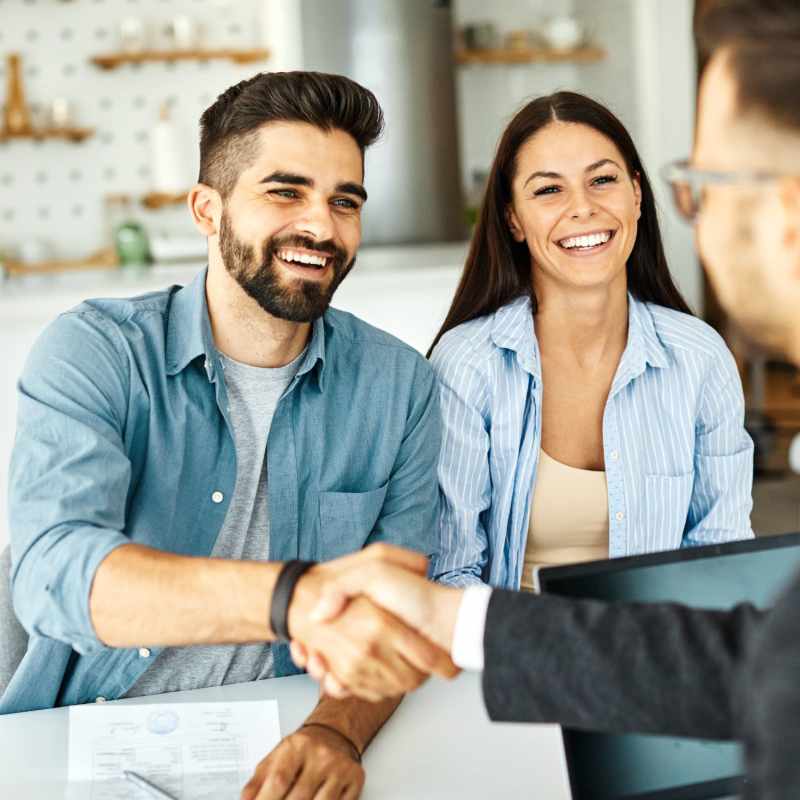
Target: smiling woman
587,414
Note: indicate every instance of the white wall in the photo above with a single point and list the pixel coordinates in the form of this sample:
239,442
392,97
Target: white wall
54,190
648,80
666,88
488,96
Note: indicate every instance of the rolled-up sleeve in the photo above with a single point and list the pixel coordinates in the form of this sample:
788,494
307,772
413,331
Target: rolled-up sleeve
69,476
722,496
464,477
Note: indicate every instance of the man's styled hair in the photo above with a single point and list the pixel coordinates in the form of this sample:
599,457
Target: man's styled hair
228,141
763,37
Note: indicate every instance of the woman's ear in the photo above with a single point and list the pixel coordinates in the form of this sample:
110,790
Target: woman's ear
514,225
637,193
205,206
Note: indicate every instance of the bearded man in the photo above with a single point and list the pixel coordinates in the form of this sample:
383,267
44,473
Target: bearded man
173,448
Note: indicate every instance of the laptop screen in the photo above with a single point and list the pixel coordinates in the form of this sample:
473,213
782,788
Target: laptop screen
607,767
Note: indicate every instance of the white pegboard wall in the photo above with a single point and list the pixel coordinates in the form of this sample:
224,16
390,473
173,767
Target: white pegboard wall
54,190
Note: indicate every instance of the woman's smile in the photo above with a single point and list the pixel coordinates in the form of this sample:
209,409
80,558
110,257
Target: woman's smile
586,244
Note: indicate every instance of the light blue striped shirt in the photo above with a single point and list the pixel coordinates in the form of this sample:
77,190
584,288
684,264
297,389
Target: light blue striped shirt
679,463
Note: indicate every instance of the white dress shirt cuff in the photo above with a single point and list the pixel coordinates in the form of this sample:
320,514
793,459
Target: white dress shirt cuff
467,650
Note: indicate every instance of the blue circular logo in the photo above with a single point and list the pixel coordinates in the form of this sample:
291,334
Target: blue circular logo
162,722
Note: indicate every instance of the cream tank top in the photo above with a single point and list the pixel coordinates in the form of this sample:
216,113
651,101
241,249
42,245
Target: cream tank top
569,518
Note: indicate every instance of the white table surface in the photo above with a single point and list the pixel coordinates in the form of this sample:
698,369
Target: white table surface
439,744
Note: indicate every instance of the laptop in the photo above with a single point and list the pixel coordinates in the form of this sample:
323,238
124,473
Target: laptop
638,767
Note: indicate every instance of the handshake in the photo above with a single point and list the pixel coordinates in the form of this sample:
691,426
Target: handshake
371,625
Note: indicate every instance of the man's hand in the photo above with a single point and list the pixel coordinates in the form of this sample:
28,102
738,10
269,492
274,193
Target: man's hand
314,762
367,651
429,608
372,654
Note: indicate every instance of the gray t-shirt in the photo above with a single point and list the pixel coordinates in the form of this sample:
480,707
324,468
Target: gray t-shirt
253,395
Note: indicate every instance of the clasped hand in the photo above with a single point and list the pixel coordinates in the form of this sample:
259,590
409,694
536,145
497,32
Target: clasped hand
371,625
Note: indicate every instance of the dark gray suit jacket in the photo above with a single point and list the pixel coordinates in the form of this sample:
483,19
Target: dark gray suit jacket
654,668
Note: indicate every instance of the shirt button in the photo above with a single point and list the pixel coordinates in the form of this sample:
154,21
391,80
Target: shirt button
619,516
217,497
100,700
614,455
144,652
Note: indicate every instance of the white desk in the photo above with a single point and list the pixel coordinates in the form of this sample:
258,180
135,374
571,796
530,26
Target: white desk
439,744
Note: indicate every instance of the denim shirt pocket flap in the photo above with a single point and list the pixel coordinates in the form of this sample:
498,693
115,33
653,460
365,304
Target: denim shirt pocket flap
347,520
666,507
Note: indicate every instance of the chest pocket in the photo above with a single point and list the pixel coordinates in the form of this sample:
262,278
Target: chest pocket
666,506
347,519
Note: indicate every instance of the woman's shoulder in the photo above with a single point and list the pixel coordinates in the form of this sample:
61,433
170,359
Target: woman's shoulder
684,335
471,340
485,335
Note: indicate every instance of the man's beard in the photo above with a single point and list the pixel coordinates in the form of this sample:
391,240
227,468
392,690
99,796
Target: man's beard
303,301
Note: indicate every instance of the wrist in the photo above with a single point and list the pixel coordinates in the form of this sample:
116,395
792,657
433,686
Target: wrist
333,737
444,612
304,600
283,595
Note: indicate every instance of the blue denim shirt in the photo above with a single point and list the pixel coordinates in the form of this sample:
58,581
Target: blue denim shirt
123,436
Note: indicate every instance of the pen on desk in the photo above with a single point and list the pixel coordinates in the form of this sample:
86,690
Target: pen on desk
145,785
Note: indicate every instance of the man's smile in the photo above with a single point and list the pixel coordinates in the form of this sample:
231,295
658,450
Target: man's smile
308,264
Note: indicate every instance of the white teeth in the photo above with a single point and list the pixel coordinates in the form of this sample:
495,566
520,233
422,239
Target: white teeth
592,240
301,258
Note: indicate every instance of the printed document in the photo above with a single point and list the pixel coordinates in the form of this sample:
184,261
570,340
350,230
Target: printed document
192,751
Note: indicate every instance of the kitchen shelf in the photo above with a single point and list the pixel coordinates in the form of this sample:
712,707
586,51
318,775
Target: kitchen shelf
68,134
114,60
101,259
578,55
156,200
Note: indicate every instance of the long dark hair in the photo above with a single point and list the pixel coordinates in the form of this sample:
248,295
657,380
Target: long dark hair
498,268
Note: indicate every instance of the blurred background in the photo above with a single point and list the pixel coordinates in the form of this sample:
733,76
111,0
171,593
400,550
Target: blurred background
98,146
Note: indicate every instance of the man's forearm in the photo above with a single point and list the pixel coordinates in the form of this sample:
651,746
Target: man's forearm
357,720
143,596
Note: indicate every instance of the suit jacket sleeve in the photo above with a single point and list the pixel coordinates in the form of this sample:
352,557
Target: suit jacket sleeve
619,668
772,735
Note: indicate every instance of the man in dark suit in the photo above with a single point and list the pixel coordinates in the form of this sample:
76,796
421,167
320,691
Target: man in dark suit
664,668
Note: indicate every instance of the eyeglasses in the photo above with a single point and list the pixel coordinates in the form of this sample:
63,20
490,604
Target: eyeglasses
688,184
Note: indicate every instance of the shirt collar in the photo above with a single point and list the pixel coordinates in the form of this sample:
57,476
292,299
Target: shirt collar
315,353
643,348
188,327
643,337
513,329
189,334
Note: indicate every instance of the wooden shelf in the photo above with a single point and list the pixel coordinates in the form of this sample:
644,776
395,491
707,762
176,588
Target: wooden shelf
68,134
579,55
102,259
114,60
156,200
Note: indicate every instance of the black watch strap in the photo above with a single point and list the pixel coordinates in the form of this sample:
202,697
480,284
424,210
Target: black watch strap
285,585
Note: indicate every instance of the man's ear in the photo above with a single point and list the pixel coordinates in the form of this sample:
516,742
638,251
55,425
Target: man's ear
790,202
205,206
514,225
